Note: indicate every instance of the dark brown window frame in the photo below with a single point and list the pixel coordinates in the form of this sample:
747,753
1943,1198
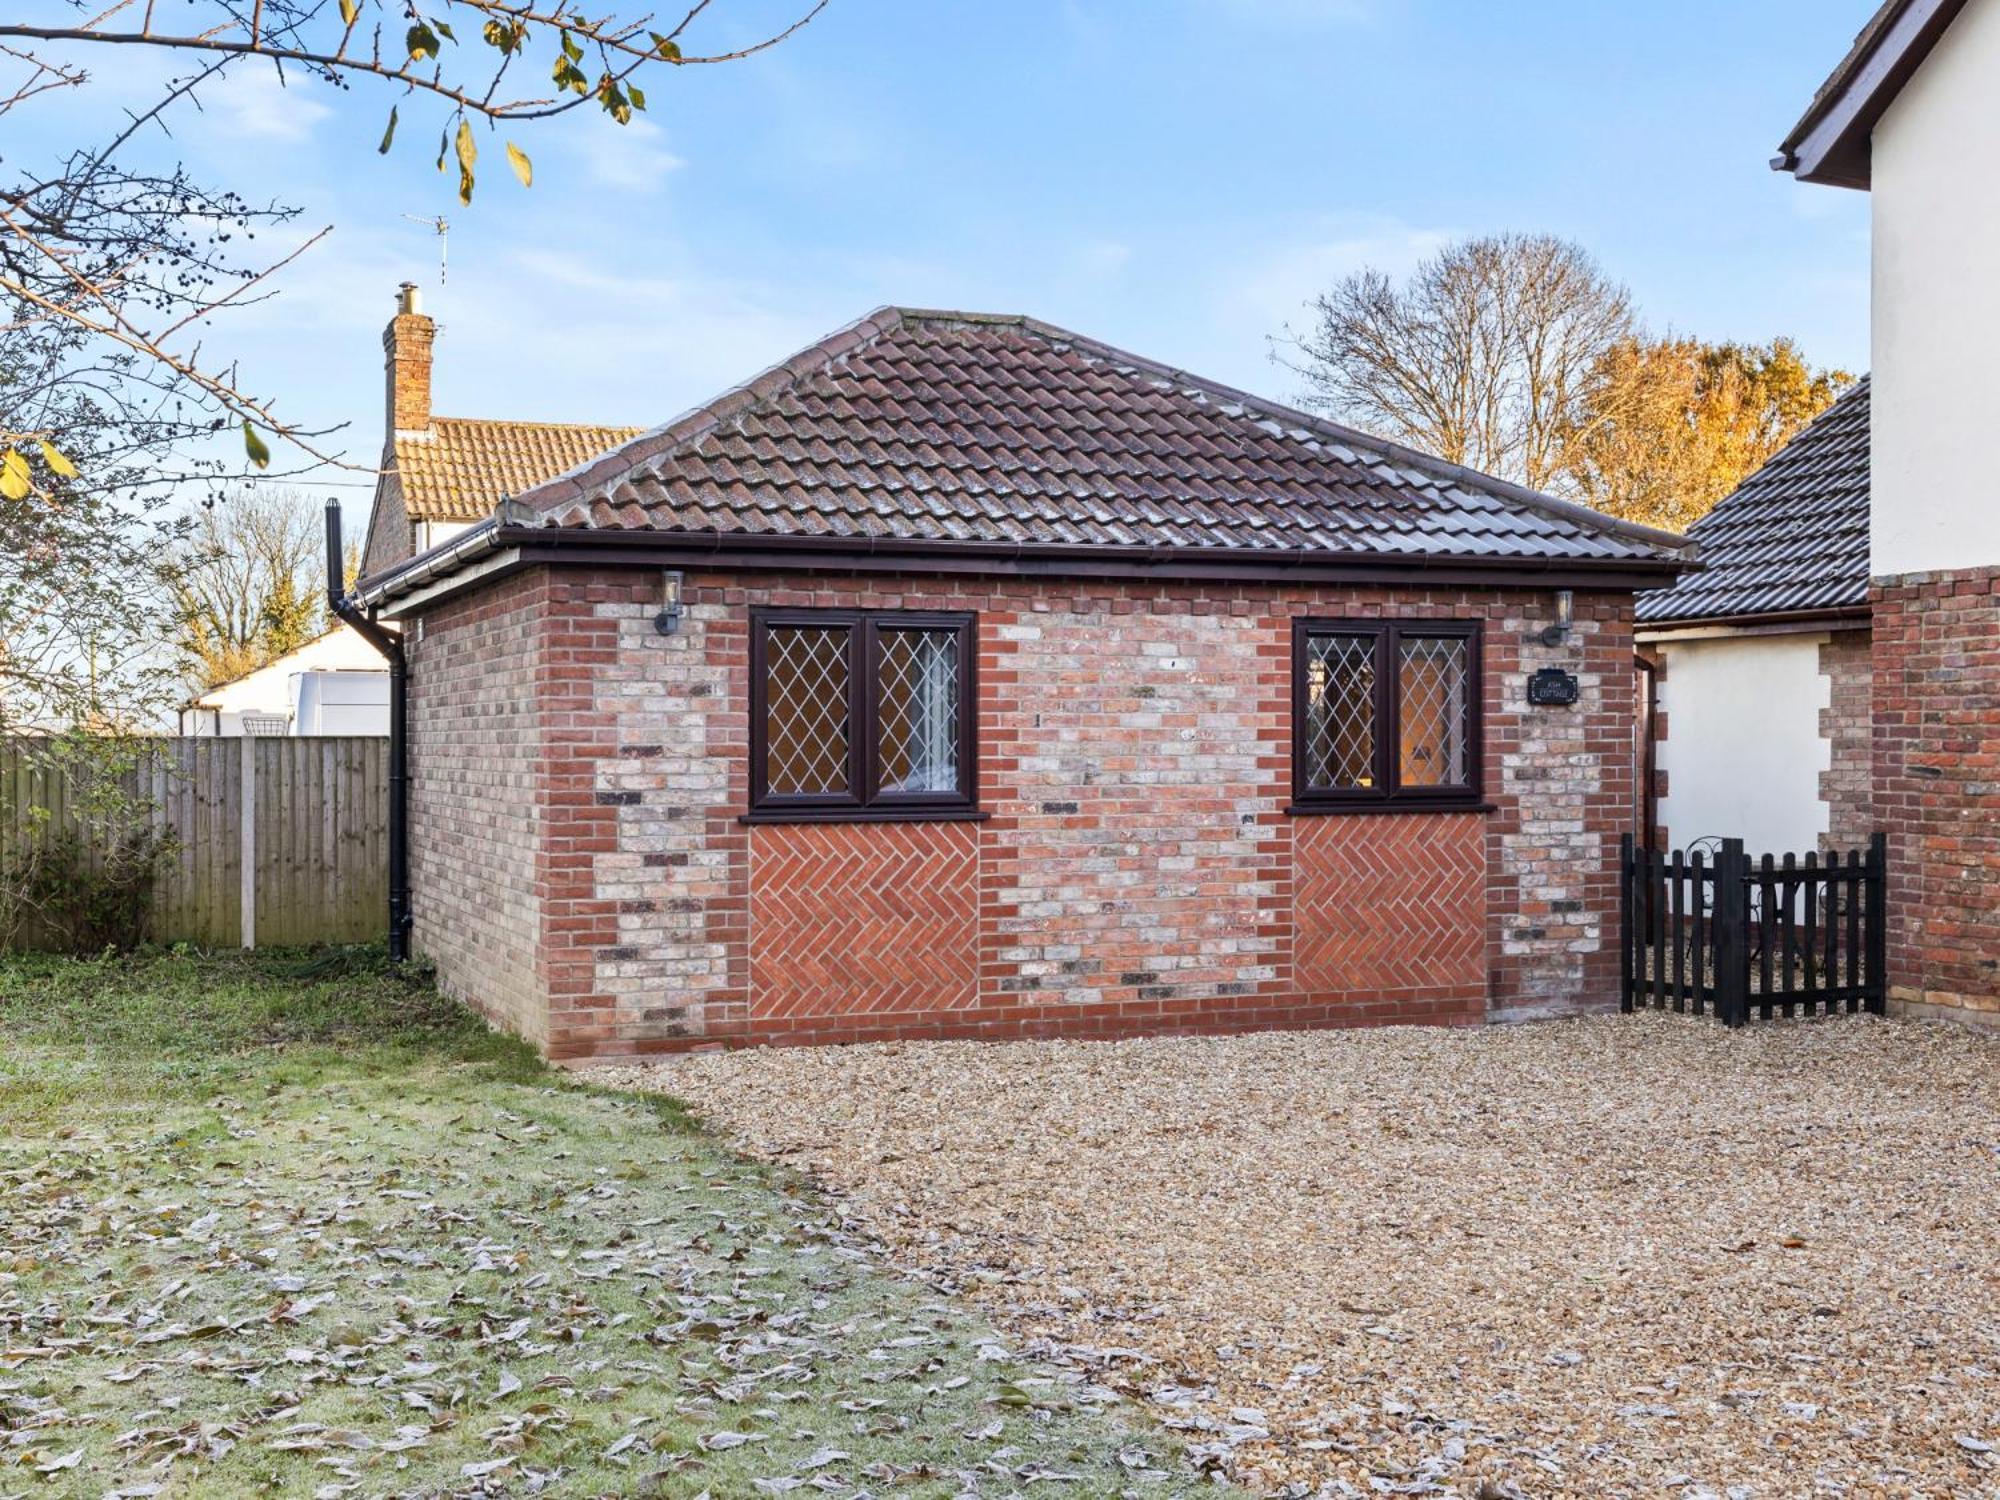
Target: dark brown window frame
865,801
1388,794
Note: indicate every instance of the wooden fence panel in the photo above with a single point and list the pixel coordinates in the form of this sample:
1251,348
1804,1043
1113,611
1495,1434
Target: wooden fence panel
322,874
311,815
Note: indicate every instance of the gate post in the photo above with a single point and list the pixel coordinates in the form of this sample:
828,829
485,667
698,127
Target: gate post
1626,872
1876,884
1732,931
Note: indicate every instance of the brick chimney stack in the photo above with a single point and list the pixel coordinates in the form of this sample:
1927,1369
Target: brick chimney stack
406,345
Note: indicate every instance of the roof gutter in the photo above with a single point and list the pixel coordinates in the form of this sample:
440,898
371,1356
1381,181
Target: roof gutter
528,545
1771,622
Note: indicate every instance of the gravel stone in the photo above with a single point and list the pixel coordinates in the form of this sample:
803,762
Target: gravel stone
1609,1256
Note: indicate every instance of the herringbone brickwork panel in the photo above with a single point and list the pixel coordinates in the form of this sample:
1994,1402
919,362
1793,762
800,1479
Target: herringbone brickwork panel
1390,903
861,920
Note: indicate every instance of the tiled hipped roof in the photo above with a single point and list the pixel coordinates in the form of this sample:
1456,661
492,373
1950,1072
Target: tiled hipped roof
461,467
1794,535
964,428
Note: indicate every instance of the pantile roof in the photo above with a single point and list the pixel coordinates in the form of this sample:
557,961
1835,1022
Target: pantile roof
1793,537
461,467
946,427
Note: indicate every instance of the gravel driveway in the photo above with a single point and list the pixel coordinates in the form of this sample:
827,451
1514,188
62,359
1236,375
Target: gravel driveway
1602,1257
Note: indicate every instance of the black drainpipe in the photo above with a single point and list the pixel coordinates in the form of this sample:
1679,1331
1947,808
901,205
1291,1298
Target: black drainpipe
391,647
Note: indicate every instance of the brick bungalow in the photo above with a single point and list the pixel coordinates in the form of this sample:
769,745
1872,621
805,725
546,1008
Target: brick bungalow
964,677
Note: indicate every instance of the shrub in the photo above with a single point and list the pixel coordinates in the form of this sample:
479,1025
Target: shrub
86,897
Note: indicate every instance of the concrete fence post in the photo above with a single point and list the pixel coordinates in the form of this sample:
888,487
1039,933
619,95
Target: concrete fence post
247,822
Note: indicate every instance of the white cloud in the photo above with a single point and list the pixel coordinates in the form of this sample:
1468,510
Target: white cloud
618,345
1103,257
255,104
630,158
1272,287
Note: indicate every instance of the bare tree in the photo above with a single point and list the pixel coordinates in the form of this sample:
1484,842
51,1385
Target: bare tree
1482,356
411,49
96,435
117,277
248,582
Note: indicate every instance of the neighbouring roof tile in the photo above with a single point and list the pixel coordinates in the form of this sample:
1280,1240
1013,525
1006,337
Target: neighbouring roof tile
1793,536
461,467
940,426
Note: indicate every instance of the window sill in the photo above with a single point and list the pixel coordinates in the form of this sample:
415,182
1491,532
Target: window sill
866,815
1380,809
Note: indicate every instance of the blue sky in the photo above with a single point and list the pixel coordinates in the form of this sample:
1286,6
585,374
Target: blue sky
1174,176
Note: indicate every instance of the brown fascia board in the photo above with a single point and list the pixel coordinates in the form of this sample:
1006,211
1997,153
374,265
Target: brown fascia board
1847,617
1831,143
512,548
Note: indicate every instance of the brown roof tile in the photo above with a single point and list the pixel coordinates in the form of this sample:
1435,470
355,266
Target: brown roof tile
1792,538
464,466
941,426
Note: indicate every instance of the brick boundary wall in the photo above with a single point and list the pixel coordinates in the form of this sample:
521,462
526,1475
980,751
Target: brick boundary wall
1137,871
1847,786
1936,666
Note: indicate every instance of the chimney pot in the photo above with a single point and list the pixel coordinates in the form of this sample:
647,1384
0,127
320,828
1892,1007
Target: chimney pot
406,345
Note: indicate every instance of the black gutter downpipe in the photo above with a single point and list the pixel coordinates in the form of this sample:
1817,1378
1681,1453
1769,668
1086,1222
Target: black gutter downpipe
391,647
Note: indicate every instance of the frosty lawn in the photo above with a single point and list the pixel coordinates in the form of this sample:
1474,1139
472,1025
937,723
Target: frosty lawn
298,1226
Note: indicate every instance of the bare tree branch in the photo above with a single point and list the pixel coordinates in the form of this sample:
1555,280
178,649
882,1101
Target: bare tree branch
628,41
1482,356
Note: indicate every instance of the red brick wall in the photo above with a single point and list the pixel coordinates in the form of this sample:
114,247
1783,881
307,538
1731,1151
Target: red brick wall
1846,723
1134,858
1137,871
476,723
1936,660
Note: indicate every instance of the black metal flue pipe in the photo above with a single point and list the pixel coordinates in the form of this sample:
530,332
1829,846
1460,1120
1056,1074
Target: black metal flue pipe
390,645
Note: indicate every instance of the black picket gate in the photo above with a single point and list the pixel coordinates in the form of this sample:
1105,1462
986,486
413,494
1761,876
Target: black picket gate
1730,937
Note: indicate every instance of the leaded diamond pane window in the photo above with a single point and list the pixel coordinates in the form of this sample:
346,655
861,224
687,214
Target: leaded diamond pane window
1385,714
919,706
1340,711
1435,713
806,722
860,714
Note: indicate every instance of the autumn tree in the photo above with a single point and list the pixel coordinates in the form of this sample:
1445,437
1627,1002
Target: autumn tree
1669,427
249,583
1481,356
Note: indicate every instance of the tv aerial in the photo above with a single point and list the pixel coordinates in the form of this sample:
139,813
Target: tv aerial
441,227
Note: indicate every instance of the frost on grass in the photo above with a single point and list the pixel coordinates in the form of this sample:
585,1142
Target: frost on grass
1624,1256
425,1281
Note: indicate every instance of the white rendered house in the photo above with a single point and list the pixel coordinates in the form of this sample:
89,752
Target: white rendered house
337,684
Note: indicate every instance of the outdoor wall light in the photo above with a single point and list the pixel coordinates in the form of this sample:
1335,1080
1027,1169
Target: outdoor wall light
668,620
1556,634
